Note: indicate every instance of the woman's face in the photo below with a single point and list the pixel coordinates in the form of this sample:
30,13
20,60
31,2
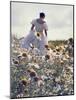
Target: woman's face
42,18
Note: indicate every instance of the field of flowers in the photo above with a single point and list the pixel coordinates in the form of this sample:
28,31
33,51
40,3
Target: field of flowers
33,75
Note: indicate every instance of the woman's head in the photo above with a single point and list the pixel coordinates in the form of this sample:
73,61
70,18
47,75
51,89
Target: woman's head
42,15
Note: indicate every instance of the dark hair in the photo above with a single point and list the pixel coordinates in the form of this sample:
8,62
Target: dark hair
42,15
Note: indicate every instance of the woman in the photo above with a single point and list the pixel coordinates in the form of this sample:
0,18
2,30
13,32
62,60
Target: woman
37,35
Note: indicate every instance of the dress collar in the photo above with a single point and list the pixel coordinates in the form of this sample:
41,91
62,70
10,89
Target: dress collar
40,21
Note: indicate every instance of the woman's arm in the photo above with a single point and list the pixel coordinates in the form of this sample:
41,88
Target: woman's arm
45,28
46,32
32,27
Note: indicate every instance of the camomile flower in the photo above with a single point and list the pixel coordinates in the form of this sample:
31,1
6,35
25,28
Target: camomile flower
12,45
24,54
23,50
47,47
67,56
19,56
57,79
54,50
40,83
38,35
43,77
26,57
61,61
47,57
52,71
50,52
64,59
20,95
24,81
32,72
16,62
66,46
36,78
35,65
29,57
62,47
16,52
32,46
36,51
57,47
43,58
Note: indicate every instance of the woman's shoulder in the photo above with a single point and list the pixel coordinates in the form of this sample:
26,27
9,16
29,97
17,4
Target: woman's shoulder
45,26
40,21
33,21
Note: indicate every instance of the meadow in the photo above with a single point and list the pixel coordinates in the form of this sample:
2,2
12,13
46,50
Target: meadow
33,75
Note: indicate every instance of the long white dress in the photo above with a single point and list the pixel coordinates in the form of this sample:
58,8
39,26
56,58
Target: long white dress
31,38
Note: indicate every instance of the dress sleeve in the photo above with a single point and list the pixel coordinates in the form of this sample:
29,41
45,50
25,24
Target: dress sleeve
45,26
33,22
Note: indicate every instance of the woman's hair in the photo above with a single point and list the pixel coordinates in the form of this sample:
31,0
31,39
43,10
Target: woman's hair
42,15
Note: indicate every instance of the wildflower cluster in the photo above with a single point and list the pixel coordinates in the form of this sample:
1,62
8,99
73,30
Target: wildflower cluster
33,74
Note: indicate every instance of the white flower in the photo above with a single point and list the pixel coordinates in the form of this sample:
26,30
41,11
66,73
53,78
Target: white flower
40,83
20,95
57,47
43,58
36,51
16,62
66,46
34,65
62,47
43,77
57,88
29,57
57,79
15,51
67,56
64,59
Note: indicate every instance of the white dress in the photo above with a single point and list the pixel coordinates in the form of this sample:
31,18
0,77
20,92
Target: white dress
31,38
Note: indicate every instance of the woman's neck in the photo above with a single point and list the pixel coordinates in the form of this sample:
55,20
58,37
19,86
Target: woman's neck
40,21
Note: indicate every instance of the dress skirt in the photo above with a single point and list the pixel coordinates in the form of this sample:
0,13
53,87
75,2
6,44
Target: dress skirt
31,38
